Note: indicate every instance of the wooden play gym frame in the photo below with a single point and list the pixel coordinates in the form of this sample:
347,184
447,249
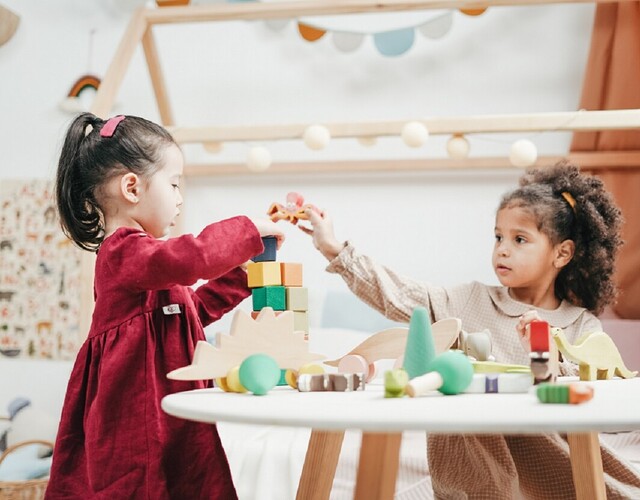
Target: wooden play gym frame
324,447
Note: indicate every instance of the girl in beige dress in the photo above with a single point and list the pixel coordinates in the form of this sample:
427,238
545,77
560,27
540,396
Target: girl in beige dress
556,238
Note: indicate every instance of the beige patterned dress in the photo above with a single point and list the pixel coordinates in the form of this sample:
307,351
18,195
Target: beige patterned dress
487,466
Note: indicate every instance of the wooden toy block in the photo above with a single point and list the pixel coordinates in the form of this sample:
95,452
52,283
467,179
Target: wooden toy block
269,296
270,247
545,364
297,299
335,382
502,383
595,353
301,321
268,334
395,383
291,273
564,393
263,274
255,314
391,343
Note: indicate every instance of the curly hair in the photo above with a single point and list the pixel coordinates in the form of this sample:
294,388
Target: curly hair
88,160
593,222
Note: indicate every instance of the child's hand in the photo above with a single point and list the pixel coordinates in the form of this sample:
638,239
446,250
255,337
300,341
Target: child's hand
267,227
321,231
523,331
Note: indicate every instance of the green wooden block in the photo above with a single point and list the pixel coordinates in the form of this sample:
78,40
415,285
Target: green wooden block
269,296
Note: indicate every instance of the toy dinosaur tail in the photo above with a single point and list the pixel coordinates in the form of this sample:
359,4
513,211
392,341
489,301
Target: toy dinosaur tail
624,372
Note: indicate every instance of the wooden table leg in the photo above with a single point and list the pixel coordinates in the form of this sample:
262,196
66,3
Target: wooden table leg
586,463
378,466
320,465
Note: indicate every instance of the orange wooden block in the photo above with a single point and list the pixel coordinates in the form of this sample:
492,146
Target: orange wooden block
291,273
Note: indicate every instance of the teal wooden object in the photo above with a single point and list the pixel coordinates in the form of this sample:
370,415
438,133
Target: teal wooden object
259,373
274,297
420,349
455,369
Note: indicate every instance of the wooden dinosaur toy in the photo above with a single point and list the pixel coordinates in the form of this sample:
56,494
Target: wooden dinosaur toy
595,353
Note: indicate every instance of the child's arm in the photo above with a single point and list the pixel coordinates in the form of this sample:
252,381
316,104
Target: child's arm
219,296
146,263
393,295
322,234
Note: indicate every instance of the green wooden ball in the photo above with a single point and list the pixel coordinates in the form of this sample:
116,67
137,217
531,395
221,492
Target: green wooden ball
259,373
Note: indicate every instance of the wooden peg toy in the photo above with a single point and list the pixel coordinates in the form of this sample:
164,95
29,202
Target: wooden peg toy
450,373
596,355
544,353
564,393
333,382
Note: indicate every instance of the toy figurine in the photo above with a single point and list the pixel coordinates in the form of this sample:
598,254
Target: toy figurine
293,211
544,353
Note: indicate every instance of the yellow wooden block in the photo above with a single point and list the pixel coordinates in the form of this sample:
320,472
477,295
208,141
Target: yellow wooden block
263,274
297,298
291,273
301,321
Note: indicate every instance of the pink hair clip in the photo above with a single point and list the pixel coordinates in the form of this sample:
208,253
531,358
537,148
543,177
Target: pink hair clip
109,127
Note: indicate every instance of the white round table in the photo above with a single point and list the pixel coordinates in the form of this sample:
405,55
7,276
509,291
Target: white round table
615,407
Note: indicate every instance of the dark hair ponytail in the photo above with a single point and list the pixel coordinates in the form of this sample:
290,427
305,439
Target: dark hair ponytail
88,160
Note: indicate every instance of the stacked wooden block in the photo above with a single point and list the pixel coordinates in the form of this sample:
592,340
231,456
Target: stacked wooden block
278,285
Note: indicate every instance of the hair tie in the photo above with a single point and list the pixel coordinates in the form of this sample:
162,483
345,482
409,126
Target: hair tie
570,200
109,127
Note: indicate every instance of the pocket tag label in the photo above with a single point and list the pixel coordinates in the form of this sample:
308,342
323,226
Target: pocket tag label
171,309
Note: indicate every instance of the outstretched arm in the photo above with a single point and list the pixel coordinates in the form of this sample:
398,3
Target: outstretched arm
146,263
393,295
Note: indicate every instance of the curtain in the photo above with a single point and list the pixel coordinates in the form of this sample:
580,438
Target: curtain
612,81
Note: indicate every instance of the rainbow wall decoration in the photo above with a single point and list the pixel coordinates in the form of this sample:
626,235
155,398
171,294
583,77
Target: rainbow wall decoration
73,103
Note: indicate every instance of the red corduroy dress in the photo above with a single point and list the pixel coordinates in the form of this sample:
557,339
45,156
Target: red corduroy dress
114,440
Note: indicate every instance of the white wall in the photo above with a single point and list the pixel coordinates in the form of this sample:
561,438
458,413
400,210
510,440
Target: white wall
432,226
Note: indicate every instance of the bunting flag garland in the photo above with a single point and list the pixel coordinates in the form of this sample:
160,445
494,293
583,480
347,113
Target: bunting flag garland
388,42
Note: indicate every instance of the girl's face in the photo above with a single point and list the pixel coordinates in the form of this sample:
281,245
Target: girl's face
161,199
523,257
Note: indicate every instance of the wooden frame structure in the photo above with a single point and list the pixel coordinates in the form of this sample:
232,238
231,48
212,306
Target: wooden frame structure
140,30
324,447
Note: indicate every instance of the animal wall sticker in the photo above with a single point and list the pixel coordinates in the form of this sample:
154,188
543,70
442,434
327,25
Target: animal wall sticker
39,275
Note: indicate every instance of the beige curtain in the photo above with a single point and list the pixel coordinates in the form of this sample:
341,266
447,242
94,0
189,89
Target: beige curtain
612,81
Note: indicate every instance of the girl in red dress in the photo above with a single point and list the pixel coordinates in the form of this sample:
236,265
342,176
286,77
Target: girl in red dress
117,191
